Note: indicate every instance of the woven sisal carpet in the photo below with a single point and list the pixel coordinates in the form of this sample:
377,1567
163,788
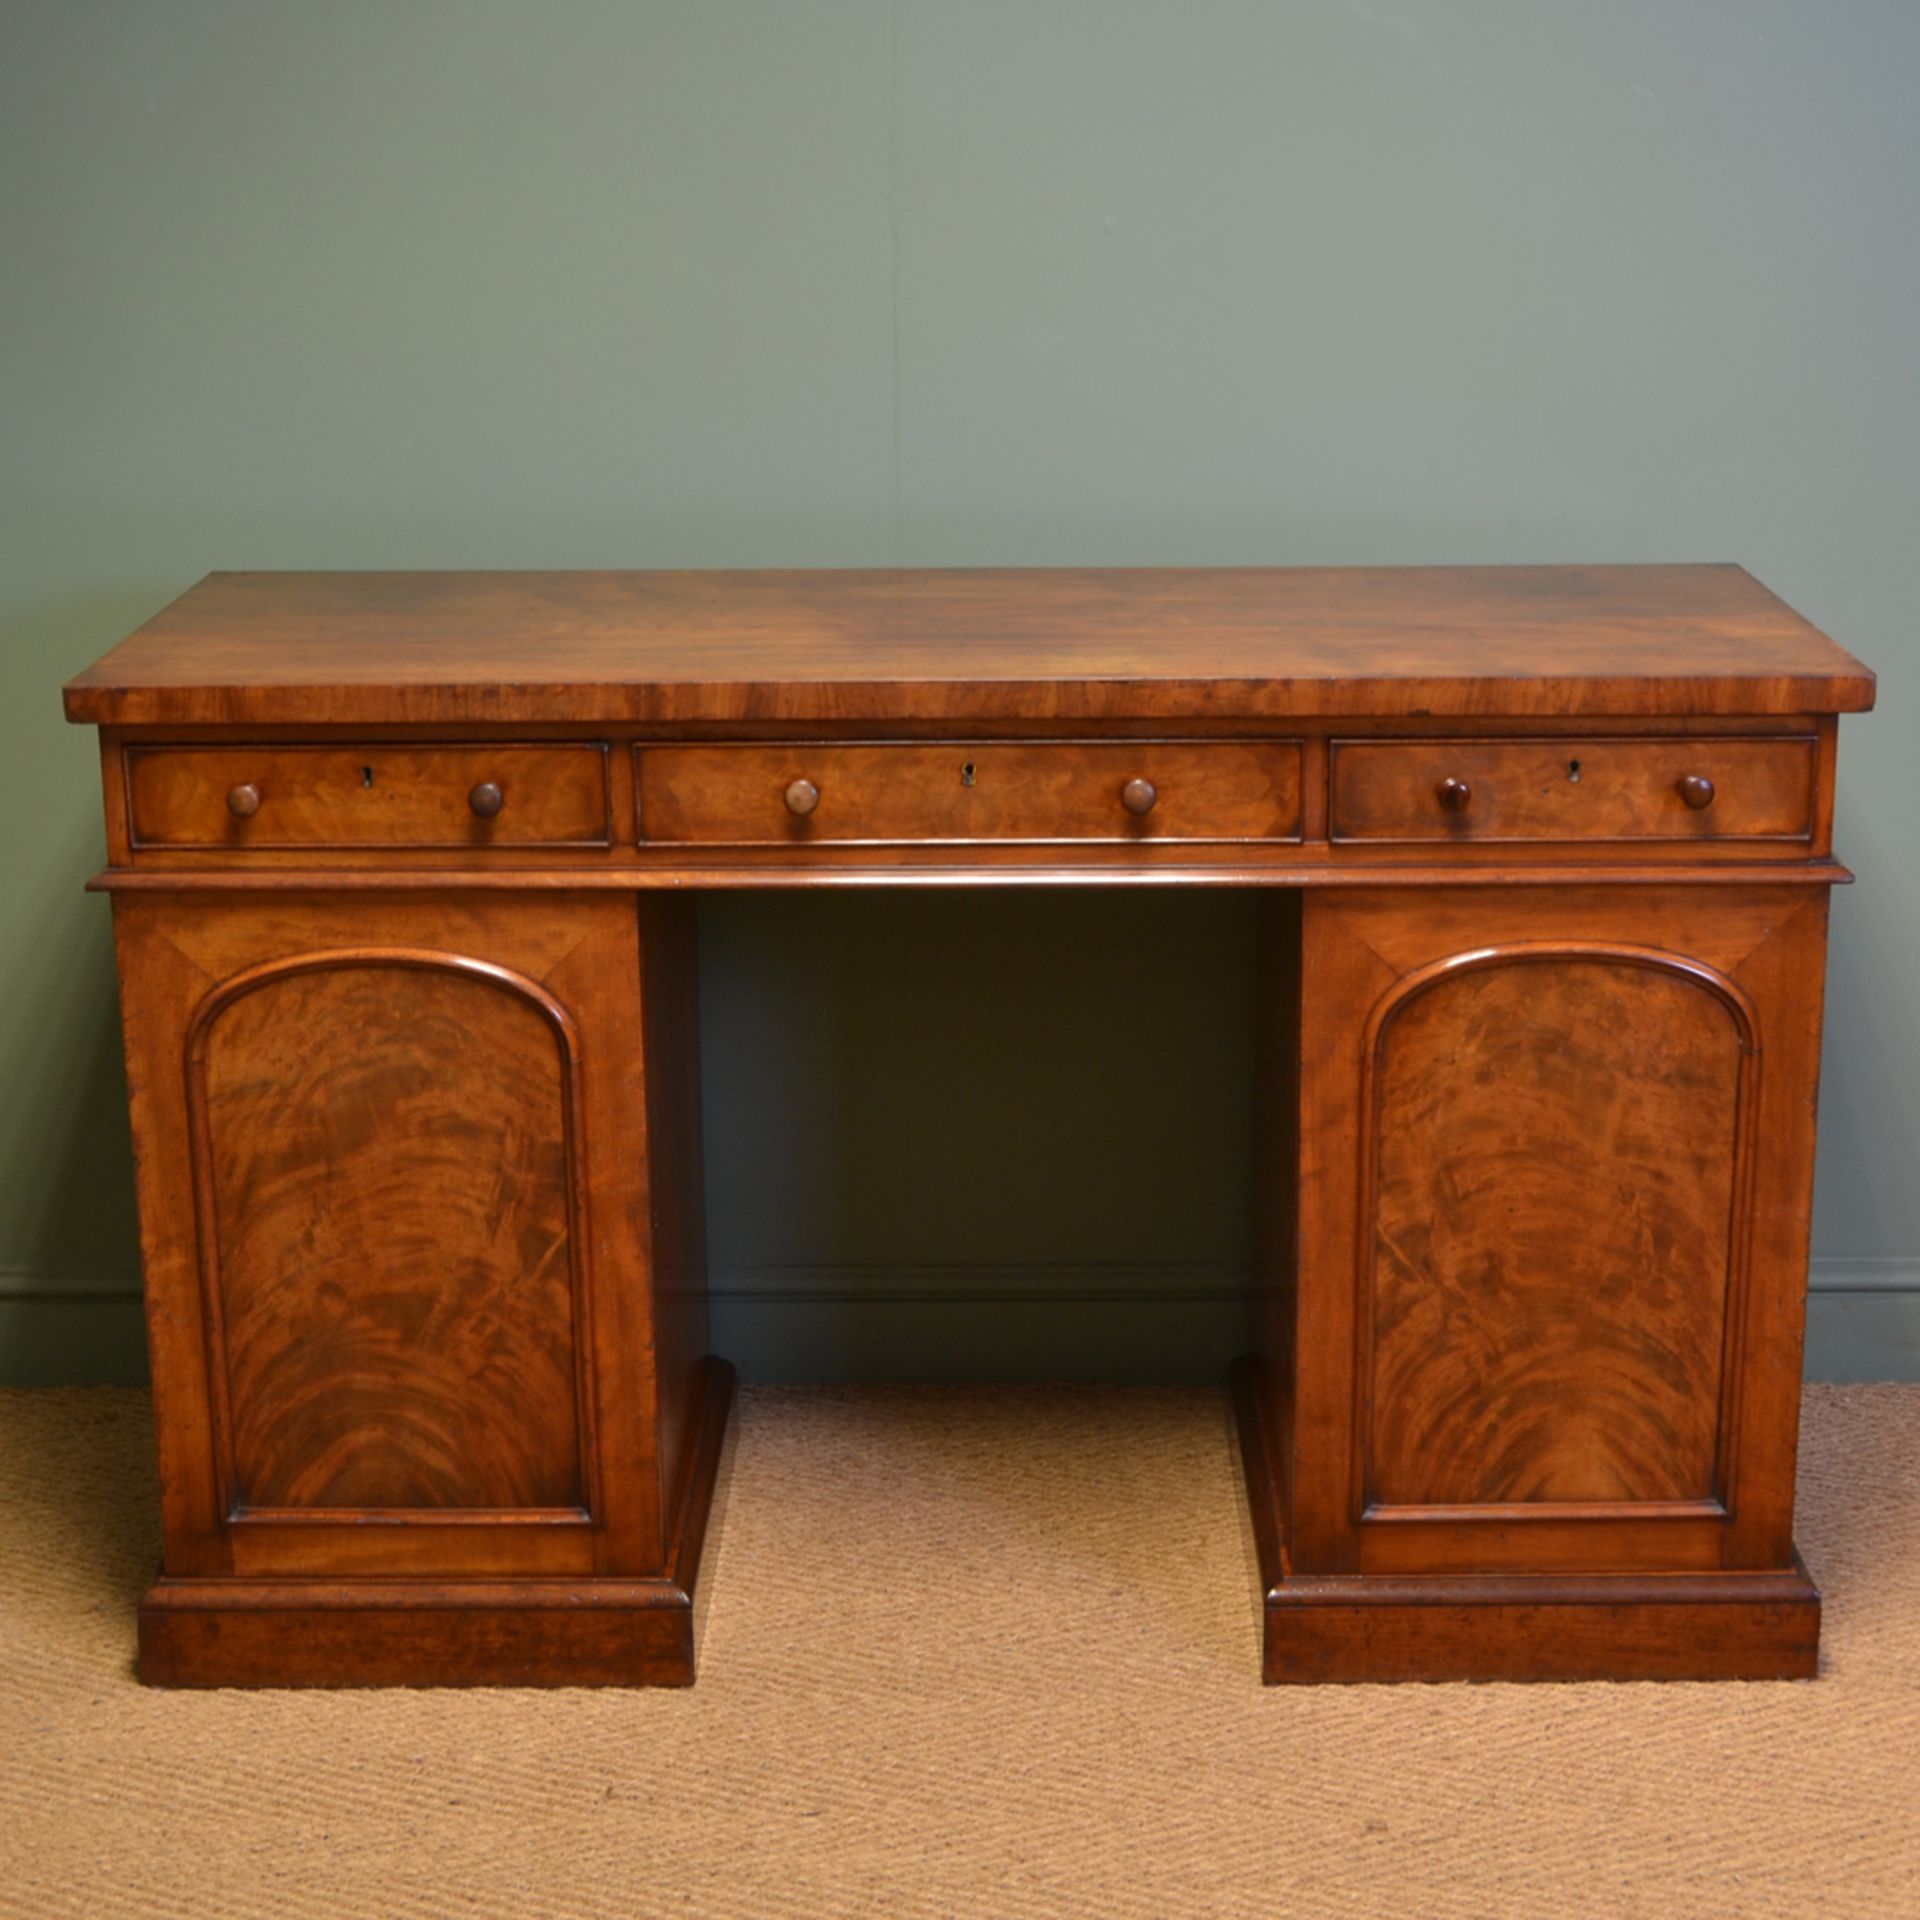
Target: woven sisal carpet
966,1652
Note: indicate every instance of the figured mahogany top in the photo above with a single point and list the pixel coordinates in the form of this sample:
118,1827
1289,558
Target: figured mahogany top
287,649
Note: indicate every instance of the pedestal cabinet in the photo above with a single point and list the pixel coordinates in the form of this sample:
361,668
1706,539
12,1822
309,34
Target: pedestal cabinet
1555,1183
419,1313
404,872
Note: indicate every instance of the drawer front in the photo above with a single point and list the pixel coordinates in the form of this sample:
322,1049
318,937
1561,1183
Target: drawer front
1607,789
839,795
275,797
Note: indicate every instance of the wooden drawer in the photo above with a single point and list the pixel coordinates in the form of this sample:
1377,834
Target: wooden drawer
840,794
1603,789
275,797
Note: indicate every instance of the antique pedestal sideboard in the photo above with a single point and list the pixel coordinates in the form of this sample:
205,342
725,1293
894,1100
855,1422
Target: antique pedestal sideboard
404,869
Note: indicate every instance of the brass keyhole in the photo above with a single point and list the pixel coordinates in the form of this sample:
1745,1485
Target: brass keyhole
966,774
366,776
1573,769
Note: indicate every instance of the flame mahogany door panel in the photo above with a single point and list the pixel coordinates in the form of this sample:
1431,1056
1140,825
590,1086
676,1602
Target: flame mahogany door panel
1553,1217
395,1200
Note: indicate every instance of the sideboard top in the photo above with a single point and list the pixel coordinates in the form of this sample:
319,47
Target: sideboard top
885,645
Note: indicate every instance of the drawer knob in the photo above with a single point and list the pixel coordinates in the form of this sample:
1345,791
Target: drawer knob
1138,796
1454,794
243,801
802,797
1697,791
486,799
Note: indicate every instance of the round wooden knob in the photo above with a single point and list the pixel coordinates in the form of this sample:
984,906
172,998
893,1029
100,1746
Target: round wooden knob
1138,796
1454,794
1697,791
243,801
802,797
486,799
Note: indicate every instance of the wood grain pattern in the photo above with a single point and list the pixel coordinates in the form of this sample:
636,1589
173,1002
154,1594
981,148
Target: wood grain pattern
967,791
979,864
326,1631
392,1235
1651,1626
894,644
383,1634
582,953
670,999
368,796
1570,788
422,1229
909,799
1555,1145
1282,1012
1662,1625
1359,949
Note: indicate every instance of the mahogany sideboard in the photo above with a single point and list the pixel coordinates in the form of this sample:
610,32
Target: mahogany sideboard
404,869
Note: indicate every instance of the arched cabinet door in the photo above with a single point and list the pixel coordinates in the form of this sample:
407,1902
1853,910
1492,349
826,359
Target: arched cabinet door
1560,1324
393,1242
405,1314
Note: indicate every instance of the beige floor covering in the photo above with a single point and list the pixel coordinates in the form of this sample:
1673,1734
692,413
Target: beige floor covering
982,1651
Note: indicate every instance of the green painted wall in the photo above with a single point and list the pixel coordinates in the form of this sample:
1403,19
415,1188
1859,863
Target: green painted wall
838,282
